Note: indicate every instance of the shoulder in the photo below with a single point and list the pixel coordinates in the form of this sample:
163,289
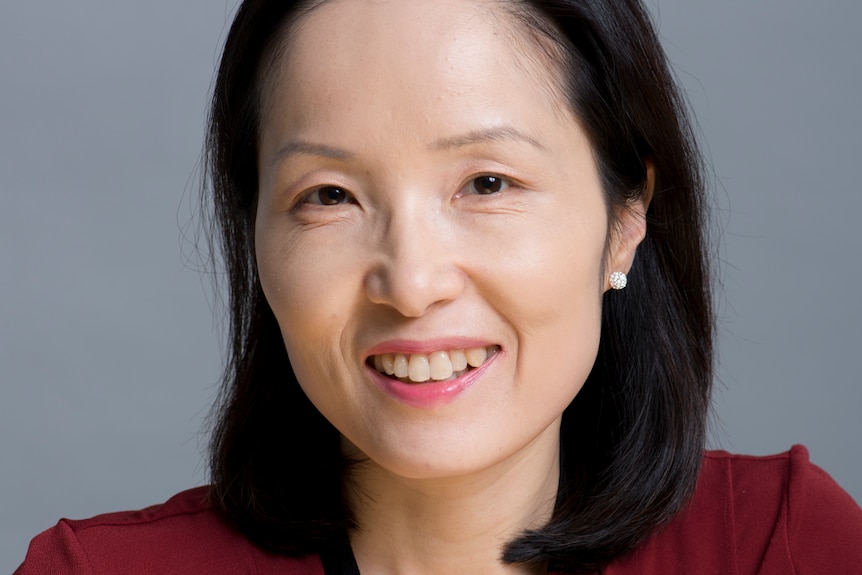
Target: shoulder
788,510
770,514
183,535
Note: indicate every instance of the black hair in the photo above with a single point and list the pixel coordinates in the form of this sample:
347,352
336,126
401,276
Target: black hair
632,439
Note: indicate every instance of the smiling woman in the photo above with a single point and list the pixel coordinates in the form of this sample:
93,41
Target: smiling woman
415,226
470,313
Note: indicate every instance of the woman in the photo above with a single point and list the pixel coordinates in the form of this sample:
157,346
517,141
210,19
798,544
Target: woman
471,323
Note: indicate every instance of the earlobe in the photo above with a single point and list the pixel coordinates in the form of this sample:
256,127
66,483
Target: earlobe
630,229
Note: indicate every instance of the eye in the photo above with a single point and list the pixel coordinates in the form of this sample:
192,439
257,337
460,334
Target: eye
487,185
328,196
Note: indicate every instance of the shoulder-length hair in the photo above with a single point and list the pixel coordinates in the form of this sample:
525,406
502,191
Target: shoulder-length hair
631,440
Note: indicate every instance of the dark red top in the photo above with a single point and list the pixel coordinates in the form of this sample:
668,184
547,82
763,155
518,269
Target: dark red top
767,515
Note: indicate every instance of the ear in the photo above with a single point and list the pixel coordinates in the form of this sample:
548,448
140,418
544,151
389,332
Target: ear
629,229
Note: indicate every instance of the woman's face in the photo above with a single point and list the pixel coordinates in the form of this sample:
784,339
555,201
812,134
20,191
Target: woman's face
428,200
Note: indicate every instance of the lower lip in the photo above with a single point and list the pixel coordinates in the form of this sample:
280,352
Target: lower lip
433,393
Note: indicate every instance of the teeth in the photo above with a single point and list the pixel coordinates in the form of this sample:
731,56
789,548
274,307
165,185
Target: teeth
388,362
418,368
438,366
458,359
476,356
400,366
441,366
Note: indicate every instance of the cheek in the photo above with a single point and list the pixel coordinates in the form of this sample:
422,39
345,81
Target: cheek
300,273
307,291
550,290
561,325
306,288
282,278
548,271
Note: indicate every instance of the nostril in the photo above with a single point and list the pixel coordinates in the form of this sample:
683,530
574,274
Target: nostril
414,284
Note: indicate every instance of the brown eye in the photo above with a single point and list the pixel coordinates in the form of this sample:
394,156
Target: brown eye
489,184
330,196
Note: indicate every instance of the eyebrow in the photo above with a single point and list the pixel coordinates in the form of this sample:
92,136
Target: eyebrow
495,134
300,148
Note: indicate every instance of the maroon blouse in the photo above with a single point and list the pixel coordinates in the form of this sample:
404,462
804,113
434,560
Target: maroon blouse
766,515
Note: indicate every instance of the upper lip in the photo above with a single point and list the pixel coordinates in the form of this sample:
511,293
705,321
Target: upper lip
427,346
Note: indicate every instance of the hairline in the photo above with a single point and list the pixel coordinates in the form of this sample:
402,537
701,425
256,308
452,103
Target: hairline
542,42
535,33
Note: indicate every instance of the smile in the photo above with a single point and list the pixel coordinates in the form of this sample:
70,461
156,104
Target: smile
436,366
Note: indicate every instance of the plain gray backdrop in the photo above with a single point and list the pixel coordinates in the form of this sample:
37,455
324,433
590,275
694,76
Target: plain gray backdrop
110,349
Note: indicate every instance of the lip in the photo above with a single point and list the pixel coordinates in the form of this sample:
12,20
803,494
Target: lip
409,346
432,393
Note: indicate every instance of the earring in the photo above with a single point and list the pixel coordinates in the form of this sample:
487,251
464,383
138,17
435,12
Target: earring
618,280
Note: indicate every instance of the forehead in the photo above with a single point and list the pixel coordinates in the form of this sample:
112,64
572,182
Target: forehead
434,48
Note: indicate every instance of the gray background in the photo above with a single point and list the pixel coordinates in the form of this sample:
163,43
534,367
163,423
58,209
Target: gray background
109,350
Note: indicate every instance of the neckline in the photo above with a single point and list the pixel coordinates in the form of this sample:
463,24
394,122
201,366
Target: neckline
339,561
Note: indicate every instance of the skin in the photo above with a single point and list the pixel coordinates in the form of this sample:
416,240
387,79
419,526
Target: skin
398,108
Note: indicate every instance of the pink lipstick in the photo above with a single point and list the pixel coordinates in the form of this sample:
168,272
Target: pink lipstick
428,394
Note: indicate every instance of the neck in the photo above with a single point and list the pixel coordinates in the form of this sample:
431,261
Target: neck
452,525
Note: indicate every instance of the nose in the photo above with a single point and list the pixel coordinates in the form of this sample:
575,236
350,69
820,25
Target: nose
417,267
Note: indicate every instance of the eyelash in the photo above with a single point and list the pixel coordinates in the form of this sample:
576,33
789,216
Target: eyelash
492,184
493,180
314,196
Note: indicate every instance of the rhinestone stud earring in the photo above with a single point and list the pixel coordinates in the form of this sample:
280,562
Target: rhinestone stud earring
618,280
